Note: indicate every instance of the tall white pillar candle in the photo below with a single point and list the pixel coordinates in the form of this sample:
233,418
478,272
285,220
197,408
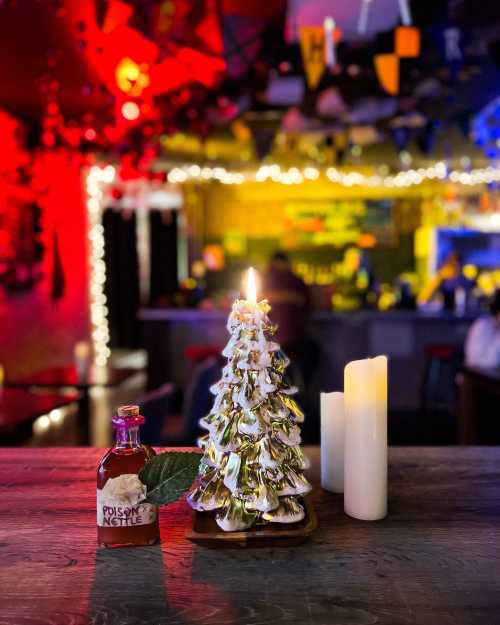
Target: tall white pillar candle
332,441
365,467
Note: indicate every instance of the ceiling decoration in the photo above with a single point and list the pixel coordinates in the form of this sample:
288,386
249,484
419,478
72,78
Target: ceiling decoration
125,74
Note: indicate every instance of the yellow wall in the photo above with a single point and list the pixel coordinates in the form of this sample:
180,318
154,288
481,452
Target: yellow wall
258,209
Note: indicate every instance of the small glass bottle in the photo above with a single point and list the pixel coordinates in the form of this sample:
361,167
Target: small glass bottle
121,517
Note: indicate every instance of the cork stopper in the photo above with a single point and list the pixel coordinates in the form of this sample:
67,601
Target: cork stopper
128,411
128,417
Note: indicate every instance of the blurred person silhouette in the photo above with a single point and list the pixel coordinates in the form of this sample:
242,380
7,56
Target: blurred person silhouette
482,345
289,300
447,281
405,298
290,309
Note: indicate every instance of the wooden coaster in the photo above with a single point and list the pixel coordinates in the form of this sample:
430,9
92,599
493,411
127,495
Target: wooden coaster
206,532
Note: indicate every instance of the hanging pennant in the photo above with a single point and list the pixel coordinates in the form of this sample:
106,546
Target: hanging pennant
312,45
452,50
387,68
407,41
406,45
406,37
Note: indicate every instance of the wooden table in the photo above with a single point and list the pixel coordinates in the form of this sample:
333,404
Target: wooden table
434,561
69,376
19,407
475,384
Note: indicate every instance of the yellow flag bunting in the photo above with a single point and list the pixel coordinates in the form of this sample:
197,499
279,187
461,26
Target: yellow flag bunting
312,45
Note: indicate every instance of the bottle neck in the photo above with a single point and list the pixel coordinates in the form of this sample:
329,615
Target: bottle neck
127,438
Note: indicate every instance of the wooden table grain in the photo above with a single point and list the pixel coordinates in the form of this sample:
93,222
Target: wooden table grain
435,560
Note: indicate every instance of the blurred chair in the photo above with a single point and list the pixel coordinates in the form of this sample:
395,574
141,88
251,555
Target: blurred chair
164,424
198,353
198,399
303,372
439,390
157,406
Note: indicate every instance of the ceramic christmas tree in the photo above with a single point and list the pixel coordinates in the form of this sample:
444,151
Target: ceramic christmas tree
251,471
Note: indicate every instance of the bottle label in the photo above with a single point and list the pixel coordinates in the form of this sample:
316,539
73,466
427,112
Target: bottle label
120,503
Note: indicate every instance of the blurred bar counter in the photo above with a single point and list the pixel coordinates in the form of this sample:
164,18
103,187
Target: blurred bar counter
409,338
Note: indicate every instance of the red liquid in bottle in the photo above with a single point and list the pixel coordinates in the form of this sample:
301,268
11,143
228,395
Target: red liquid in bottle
121,517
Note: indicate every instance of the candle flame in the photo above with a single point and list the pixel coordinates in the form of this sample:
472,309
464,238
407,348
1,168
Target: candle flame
251,286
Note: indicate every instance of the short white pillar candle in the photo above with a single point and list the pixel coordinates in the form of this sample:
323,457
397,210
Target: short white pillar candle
365,477
332,441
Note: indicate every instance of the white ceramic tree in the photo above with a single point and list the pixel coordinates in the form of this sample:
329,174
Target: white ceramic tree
252,469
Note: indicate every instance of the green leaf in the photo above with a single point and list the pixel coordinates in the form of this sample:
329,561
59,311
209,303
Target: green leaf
168,475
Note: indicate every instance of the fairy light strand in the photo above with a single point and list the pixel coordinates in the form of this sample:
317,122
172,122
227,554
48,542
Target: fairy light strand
97,180
294,175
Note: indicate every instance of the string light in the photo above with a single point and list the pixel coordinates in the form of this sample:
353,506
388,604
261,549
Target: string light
41,424
54,418
97,180
294,175
100,177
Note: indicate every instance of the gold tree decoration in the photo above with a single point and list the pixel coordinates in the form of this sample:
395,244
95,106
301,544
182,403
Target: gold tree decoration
252,468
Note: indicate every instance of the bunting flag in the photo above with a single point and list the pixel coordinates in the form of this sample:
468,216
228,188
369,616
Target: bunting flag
406,37
407,41
406,45
387,68
312,45
263,133
452,44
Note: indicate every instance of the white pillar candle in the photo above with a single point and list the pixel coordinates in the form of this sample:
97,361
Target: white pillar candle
365,469
332,441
